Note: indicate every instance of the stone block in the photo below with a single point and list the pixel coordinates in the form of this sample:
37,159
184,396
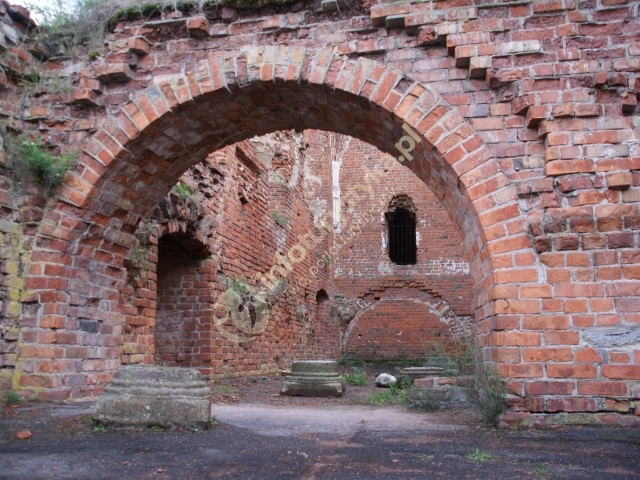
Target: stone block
313,378
153,395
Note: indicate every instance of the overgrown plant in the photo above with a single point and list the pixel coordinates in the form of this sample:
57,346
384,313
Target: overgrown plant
145,231
487,390
31,158
490,391
69,23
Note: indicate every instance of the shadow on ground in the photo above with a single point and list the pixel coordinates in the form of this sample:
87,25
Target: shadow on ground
302,442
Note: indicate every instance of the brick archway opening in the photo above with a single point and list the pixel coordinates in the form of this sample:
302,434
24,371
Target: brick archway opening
140,153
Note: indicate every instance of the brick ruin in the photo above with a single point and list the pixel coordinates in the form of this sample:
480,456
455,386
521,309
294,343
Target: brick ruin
210,220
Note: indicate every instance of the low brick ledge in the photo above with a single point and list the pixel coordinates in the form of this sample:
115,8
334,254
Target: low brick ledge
527,420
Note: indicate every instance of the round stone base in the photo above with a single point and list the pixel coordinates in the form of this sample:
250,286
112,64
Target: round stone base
152,395
313,378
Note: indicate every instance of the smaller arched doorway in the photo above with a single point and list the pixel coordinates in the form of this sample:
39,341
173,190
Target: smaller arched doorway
183,302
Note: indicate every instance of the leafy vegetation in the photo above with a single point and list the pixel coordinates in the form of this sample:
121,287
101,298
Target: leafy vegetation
480,456
30,158
69,23
423,457
223,389
99,427
388,397
11,398
540,472
426,401
488,390
358,377
237,286
183,190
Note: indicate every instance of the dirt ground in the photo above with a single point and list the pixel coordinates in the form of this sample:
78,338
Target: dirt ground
259,434
266,389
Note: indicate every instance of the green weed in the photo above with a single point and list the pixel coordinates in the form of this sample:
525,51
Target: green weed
237,286
352,362
388,397
11,398
357,377
99,427
31,158
488,390
183,190
479,456
540,472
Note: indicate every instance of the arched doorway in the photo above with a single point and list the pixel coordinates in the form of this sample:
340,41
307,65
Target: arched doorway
140,153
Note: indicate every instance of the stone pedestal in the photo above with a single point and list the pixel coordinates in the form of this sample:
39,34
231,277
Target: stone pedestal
152,395
313,378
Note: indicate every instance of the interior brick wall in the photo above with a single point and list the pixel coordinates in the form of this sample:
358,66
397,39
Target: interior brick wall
246,214
367,181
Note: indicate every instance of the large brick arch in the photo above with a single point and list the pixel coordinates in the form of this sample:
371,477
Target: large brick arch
141,151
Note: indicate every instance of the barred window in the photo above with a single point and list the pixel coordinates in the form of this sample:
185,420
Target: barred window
401,235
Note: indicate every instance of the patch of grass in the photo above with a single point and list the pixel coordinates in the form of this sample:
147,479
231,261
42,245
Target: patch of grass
352,362
157,428
480,456
357,377
11,397
540,472
389,396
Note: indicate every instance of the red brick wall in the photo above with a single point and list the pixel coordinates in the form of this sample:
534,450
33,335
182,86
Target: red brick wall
526,131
